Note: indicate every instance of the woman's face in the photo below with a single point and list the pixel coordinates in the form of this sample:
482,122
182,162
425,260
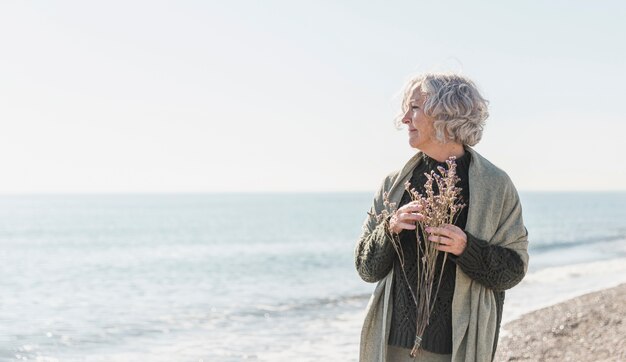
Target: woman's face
420,126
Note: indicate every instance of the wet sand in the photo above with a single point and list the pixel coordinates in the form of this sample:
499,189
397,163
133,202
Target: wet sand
591,327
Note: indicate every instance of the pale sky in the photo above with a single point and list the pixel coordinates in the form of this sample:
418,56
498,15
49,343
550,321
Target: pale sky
211,96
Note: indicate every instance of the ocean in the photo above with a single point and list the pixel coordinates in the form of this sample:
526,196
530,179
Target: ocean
237,277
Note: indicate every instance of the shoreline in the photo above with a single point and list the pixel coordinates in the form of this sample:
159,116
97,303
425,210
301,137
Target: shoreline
545,287
590,327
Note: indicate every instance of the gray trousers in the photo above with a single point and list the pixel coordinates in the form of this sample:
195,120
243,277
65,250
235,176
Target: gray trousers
399,354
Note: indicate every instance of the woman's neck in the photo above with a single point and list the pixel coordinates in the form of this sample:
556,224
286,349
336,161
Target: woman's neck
444,151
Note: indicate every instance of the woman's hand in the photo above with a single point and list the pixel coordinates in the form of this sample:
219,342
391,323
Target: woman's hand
449,238
405,218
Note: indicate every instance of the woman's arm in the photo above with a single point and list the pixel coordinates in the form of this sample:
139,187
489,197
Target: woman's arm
493,266
374,254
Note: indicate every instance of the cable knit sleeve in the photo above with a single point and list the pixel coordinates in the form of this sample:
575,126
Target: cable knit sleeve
374,254
495,267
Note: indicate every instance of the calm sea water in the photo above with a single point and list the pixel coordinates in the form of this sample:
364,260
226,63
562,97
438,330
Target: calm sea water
231,277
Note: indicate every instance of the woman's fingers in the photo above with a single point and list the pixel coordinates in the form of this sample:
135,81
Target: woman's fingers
396,225
411,207
405,218
446,230
450,238
409,216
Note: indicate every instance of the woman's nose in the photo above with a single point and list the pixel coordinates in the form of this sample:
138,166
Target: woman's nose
406,118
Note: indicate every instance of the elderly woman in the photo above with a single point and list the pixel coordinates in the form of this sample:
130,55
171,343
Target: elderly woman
486,246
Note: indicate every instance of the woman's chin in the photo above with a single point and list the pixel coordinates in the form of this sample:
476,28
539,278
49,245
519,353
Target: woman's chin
414,144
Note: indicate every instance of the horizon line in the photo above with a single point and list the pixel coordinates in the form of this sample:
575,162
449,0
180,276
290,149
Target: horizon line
78,193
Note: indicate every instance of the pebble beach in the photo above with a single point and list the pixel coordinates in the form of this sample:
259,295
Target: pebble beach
590,327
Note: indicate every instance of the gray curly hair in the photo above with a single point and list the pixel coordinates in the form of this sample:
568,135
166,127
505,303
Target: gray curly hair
453,101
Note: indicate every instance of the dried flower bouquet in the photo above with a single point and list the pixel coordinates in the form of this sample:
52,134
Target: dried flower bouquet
440,205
